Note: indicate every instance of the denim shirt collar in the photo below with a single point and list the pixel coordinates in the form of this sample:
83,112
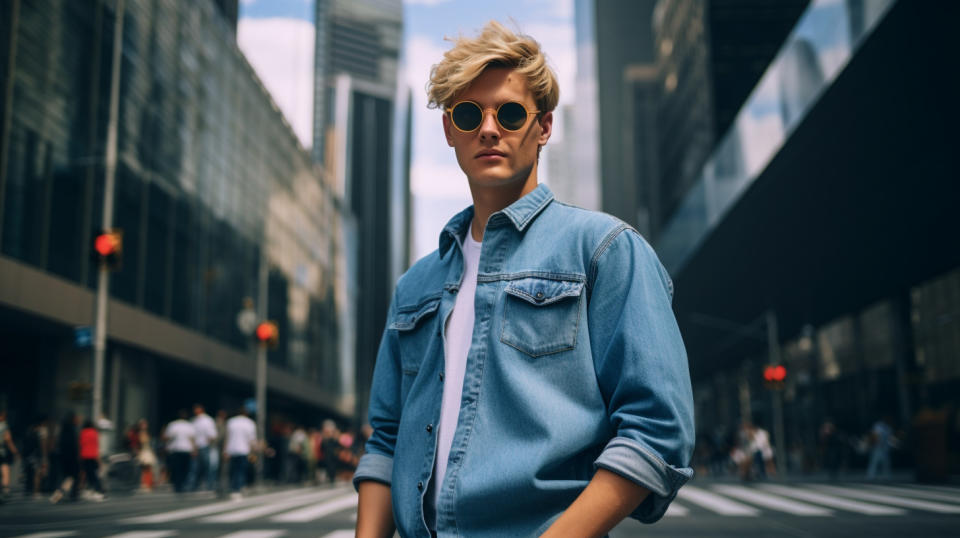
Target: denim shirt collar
520,213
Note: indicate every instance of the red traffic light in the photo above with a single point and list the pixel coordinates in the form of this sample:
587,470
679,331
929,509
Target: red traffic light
108,248
775,373
267,332
107,243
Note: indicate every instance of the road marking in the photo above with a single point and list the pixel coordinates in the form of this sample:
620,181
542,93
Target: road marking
247,514
715,503
944,489
834,501
144,534
55,534
772,501
344,533
256,534
887,499
676,510
207,509
936,496
312,513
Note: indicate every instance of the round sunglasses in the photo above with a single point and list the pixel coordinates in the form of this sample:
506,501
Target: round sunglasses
467,115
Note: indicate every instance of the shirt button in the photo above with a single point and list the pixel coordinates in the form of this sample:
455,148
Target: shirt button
420,486
429,428
441,376
539,295
453,291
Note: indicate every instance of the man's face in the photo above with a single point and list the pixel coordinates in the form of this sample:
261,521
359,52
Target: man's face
492,156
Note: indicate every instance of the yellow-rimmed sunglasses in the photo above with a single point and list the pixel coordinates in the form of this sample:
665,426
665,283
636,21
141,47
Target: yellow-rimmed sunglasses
467,116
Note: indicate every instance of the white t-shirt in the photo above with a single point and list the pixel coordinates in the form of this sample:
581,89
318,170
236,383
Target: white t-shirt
180,436
206,430
456,346
241,433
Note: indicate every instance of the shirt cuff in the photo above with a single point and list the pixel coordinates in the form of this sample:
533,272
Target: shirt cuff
639,464
375,467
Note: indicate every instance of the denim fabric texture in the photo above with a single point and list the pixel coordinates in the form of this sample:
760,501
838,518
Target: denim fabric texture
576,363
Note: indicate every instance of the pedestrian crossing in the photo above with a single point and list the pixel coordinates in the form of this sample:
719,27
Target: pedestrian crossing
812,500
287,513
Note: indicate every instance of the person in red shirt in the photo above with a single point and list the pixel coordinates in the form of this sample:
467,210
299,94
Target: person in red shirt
90,455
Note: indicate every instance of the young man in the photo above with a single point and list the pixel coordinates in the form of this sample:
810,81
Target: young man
531,379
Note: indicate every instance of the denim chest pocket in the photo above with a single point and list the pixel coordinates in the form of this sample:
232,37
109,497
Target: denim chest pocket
414,331
540,315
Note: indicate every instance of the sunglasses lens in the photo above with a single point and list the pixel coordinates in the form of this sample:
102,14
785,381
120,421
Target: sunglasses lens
466,116
512,116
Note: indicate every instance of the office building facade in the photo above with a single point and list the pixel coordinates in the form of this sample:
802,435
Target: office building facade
214,195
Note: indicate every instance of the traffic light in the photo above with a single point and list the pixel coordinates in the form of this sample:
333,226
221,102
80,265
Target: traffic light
267,334
108,248
774,376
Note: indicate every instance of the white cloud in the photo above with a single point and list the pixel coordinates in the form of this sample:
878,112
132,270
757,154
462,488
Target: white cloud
281,52
561,9
438,179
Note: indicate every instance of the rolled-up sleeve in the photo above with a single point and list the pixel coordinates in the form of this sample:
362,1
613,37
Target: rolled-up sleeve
642,370
384,413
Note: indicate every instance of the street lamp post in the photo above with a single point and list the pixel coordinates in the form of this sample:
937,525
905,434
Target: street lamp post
110,166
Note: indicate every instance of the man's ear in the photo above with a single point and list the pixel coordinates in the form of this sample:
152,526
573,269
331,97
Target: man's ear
546,128
447,130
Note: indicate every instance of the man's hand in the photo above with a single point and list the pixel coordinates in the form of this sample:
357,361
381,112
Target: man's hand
607,500
374,511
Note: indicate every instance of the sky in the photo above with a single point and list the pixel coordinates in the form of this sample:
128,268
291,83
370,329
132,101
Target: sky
277,38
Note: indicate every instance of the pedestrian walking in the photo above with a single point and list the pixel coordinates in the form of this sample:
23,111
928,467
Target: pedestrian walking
145,456
881,440
68,452
90,458
240,445
35,459
180,443
531,379
331,449
201,469
8,454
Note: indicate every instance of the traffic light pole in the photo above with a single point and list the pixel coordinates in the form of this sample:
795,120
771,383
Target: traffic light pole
110,165
773,346
261,383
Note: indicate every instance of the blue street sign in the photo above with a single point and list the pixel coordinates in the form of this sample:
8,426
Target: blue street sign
82,336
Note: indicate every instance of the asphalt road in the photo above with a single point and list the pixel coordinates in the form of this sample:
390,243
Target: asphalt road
703,508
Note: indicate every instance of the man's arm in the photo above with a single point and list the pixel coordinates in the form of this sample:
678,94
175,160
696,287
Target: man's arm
642,373
607,499
374,512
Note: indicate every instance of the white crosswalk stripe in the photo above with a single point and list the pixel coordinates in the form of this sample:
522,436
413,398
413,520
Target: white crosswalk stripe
312,513
715,503
924,494
771,501
144,534
56,534
207,509
256,534
888,499
834,501
676,510
246,514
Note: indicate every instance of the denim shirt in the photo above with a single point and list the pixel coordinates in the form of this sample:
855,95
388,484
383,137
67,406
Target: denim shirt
576,363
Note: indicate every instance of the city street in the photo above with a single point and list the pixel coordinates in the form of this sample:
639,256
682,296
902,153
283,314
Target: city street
706,508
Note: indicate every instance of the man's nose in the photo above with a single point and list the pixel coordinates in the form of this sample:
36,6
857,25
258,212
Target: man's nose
488,126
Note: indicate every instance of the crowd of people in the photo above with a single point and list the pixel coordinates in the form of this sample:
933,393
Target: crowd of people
193,452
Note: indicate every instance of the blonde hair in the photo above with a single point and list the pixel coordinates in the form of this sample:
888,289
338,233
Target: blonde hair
496,46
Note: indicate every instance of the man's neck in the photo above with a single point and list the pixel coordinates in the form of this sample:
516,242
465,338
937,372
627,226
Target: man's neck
487,201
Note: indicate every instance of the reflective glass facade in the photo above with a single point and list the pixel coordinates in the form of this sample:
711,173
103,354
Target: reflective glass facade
211,181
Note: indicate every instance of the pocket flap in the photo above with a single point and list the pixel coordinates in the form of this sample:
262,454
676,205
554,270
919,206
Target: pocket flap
407,317
543,291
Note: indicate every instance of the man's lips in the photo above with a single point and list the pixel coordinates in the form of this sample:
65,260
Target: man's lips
489,153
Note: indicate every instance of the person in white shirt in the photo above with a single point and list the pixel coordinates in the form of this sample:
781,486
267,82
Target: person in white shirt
241,441
181,446
201,467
